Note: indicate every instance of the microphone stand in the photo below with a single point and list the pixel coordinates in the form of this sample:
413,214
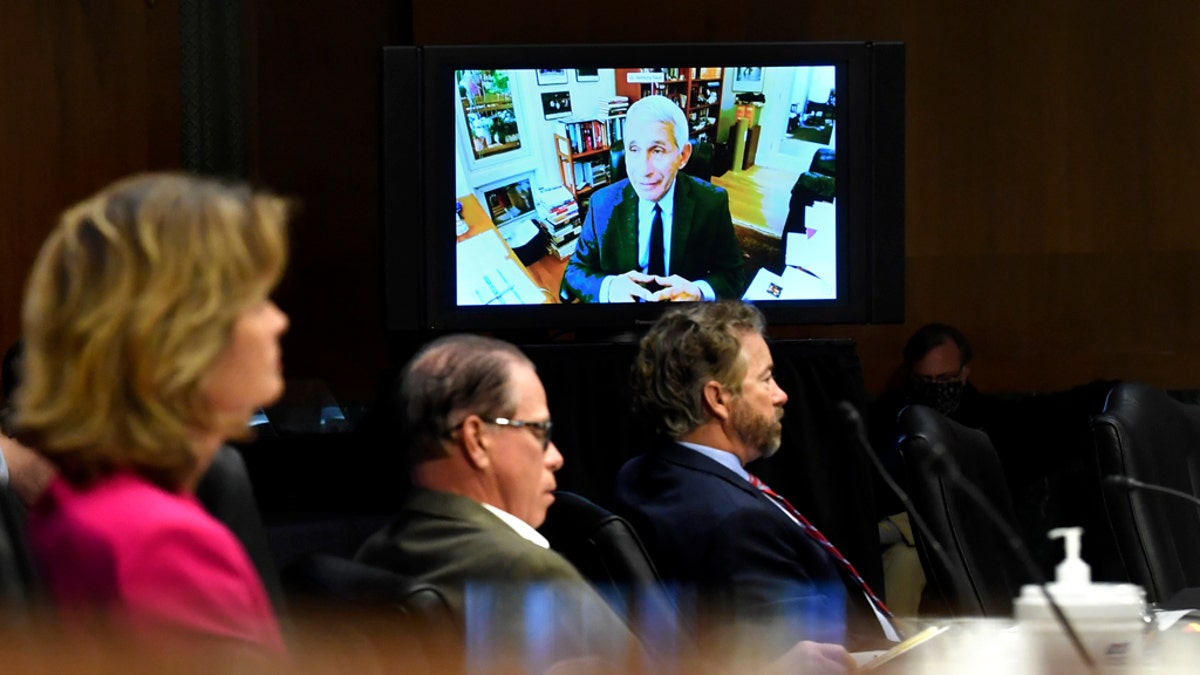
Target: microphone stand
1131,484
859,435
944,464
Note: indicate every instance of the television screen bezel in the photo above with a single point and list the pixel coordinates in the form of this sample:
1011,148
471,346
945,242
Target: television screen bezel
867,272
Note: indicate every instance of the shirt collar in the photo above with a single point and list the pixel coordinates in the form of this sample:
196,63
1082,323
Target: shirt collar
646,208
519,526
726,459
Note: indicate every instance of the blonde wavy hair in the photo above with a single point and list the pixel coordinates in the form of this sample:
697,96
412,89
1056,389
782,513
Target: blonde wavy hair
131,300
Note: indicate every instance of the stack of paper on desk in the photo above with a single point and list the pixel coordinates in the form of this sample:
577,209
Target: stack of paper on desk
488,276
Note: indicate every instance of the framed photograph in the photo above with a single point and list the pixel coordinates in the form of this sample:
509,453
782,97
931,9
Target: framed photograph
587,74
748,78
556,104
551,76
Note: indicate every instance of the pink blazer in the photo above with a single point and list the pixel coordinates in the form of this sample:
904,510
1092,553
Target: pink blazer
152,558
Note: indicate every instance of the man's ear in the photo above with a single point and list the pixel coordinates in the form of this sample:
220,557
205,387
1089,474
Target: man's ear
717,399
474,447
685,153
966,372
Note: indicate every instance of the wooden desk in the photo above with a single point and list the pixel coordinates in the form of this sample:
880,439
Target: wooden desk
479,222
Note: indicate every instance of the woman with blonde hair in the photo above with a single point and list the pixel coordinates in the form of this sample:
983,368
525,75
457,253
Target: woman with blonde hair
150,340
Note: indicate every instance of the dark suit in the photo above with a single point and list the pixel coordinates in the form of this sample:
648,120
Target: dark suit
704,246
494,580
716,535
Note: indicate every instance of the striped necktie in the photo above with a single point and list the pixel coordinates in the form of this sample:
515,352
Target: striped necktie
816,536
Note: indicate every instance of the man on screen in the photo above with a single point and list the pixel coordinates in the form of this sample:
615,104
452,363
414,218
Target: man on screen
658,235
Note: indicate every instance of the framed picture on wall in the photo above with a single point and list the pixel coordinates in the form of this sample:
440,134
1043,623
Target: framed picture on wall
551,76
587,74
748,78
556,104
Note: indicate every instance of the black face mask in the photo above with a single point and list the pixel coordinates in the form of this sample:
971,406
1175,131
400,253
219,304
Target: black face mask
943,397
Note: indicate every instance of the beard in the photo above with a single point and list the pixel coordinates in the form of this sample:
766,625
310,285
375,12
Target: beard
761,432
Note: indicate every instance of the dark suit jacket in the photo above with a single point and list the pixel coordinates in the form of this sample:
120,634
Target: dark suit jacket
712,532
703,243
494,580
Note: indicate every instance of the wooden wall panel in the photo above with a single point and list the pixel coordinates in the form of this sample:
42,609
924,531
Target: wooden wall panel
314,135
90,93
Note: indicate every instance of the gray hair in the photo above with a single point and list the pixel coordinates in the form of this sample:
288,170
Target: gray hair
449,379
685,349
658,108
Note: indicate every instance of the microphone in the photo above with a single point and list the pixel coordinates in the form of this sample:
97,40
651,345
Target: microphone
1132,484
858,433
944,465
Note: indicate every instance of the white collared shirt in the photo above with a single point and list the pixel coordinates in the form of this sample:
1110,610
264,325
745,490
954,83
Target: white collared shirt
519,526
723,457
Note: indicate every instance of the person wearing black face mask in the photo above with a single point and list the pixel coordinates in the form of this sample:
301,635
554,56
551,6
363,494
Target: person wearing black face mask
937,360
935,371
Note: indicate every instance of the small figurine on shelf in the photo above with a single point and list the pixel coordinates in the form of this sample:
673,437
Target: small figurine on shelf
460,226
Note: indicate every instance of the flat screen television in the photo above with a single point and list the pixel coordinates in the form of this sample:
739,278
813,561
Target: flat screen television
778,170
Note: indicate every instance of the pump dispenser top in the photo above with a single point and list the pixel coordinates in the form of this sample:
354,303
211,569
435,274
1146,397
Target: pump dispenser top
1072,571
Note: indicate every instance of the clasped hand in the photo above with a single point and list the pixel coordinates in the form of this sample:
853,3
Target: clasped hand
634,286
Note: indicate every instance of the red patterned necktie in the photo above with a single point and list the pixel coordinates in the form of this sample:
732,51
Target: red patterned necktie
816,536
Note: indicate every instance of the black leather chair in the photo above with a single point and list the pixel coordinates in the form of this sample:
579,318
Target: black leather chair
818,184
393,614
608,553
1145,434
330,577
980,575
18,582
226,493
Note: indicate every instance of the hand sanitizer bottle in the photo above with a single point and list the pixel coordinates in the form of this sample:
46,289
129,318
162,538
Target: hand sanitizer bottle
1109,618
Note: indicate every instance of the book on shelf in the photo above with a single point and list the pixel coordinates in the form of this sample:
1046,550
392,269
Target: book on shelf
584,135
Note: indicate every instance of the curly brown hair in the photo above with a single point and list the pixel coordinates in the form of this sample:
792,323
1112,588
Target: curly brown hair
685,349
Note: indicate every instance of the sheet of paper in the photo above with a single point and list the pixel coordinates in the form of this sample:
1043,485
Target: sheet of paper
487,276
766,285
816,249
1164,620
800,285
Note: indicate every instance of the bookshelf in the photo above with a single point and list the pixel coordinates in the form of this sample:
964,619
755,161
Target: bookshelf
583,149
696,90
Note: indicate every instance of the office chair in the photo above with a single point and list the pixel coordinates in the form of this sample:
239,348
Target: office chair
1145,434
818,184
226,493
980,575
608,553
331,577
391,613
18,582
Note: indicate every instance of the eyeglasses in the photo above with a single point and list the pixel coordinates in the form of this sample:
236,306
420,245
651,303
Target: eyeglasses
541,430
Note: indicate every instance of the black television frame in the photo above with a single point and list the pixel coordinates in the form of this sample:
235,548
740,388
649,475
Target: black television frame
870,190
